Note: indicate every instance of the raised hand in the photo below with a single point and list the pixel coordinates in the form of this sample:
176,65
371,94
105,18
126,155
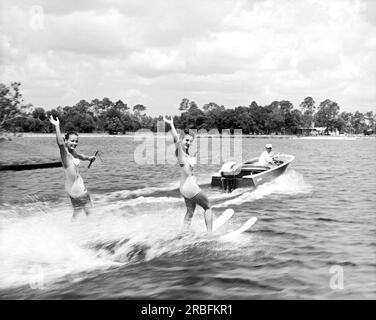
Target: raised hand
173,130
169,121
53,121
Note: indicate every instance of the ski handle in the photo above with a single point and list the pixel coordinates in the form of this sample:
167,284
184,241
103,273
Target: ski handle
91,161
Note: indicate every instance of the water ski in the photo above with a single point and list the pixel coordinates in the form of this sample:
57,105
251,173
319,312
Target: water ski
250,222
225,216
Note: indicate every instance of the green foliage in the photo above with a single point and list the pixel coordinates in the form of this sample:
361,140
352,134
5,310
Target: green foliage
279,117
184,104
327,115
138,109
11,106
39,113
308,109
210,106
113,125
358,122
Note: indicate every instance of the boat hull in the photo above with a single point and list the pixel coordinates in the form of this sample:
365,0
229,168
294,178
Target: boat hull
32,166
251,175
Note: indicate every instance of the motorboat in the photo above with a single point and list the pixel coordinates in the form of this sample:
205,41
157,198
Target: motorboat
249,174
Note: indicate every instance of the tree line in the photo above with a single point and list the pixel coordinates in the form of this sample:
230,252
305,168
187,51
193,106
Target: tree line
104,115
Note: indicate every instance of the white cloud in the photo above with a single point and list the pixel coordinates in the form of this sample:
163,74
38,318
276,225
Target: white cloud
158,52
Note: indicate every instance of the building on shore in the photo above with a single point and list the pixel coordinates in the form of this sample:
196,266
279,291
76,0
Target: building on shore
316,131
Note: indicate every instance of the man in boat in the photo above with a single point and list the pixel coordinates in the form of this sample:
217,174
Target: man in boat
267,157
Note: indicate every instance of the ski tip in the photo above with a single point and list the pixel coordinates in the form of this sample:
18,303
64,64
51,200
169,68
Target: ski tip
224,217
246,226
253,219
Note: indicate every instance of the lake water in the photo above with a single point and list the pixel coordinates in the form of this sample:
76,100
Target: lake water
314,238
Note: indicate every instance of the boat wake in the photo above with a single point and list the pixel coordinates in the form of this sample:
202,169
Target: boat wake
38,241
290,183
50,246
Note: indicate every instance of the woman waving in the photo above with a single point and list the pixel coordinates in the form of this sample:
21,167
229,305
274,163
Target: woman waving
189,188
70,158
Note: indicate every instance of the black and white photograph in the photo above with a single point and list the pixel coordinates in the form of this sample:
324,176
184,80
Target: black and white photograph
191,150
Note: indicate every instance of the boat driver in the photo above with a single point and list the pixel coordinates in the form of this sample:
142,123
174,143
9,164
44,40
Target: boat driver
267,157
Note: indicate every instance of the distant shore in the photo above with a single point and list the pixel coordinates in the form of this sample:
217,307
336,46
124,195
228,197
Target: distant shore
140,134
15,149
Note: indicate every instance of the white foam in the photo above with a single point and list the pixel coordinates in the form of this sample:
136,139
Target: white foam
125,194
49,246
289,183
38,239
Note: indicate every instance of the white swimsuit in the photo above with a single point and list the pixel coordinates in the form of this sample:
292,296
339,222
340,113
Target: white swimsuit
189,187
74,184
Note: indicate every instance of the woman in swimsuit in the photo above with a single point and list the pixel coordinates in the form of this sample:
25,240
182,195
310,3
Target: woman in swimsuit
189,188
70,158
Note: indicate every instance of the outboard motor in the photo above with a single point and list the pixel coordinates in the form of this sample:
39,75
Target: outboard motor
228,172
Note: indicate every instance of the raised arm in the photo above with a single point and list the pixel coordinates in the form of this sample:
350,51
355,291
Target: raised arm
56,123
173,130
59,140
175,137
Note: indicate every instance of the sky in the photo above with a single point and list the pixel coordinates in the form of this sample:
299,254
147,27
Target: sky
157,52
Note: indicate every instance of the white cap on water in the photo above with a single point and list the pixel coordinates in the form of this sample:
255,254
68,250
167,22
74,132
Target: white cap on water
268,146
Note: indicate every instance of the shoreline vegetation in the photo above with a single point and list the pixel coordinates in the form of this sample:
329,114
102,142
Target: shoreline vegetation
279,118
10,136
17,151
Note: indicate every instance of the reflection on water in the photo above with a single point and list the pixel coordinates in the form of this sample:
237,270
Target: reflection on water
314,222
